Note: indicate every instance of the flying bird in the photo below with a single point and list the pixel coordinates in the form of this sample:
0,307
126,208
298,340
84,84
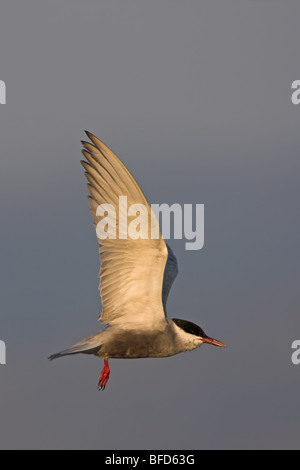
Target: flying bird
136,274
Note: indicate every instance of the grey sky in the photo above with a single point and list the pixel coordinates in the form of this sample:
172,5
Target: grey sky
195,98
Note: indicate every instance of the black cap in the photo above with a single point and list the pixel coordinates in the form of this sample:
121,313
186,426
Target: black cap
190,327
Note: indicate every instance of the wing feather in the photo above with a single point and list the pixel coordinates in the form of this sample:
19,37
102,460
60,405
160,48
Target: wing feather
132,270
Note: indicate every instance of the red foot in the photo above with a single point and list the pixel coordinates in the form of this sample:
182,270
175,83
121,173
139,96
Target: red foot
104,376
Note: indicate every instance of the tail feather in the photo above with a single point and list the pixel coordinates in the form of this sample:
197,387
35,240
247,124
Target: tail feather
85,348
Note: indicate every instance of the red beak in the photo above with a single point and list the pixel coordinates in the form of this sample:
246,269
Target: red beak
214,342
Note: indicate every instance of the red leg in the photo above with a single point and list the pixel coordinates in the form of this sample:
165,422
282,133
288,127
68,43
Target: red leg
104,376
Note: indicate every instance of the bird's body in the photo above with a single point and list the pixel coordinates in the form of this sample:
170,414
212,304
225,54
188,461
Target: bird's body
128,342
136,273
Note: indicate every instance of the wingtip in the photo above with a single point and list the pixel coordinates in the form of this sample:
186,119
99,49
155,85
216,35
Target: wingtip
97,142
89,134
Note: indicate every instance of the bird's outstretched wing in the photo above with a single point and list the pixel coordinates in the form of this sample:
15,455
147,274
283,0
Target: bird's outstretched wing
132,270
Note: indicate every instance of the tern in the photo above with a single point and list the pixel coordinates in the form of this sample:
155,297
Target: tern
136,274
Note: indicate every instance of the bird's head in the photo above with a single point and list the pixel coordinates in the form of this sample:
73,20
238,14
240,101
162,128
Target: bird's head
194,335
